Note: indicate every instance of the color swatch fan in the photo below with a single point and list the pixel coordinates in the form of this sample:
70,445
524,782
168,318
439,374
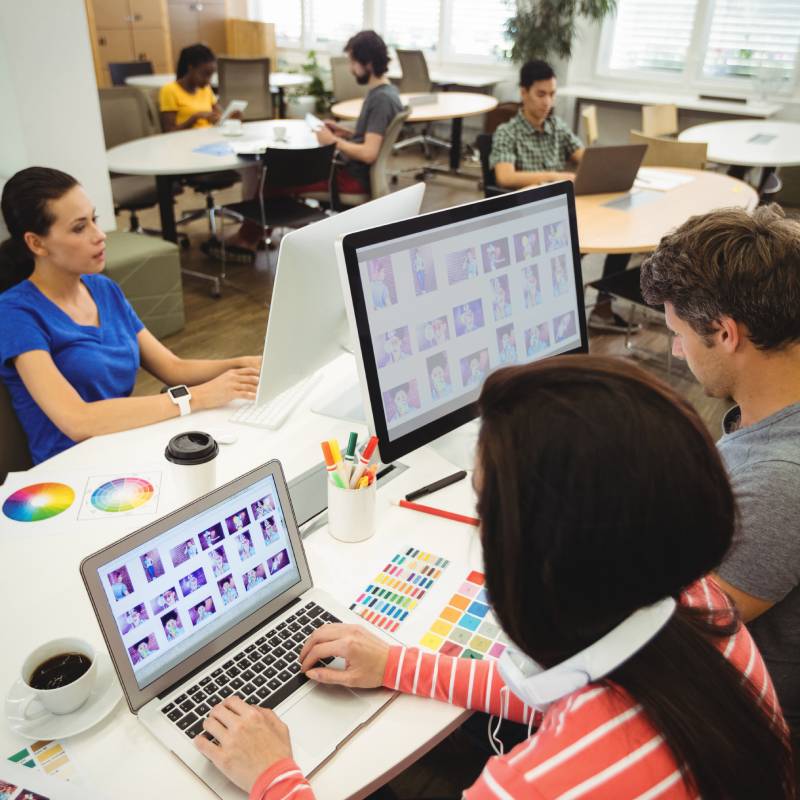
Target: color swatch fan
38,502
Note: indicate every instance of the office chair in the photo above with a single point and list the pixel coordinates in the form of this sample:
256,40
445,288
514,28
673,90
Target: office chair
345,86
14,454
671,152
246,79
490,187
120,70
501,113
660,120
416,79
590,128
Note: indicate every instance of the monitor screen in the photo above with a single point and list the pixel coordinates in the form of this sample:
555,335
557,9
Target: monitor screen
442,300
179,590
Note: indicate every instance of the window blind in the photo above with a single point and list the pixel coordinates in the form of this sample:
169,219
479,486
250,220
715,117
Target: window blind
337,21
412,24
477,27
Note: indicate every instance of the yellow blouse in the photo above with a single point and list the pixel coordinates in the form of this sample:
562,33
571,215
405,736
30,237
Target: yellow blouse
173,97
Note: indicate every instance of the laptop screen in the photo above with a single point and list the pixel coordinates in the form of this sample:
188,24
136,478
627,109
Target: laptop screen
176,592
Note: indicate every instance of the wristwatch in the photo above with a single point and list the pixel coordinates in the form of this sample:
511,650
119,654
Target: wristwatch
180,395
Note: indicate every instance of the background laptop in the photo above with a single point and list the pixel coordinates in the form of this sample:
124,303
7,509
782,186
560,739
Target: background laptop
217,599
609,169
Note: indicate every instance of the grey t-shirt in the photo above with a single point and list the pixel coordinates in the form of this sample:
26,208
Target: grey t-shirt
763,462
381,105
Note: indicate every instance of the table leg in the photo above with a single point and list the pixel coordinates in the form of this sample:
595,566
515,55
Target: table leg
166,208
576,117
455,143
281,103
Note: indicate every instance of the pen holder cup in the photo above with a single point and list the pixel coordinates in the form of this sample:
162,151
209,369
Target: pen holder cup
351,513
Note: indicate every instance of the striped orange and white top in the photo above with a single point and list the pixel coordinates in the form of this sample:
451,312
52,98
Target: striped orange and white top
594,743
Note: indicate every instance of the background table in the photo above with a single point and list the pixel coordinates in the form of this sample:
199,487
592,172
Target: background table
278,82
444,77
448,105
736,142
44,596
638,230
168,155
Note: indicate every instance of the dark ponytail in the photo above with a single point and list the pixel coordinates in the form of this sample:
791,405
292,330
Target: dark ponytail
25,206
192,56
573,546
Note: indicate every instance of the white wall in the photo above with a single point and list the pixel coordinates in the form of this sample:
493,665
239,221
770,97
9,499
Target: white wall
48,96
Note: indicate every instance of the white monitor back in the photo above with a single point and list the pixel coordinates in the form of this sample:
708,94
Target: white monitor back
307,325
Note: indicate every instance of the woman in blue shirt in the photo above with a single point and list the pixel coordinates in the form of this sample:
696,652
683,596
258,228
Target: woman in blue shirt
70,343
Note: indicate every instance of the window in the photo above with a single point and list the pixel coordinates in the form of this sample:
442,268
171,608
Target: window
652,36
753,39
286,14
412,24
477,28
335,22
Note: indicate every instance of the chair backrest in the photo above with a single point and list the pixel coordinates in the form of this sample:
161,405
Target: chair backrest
660,120
124,69
501,113
670,152
246,79
345,86
378,183
589,120
415,71
14,454
484,145
286,168
126,115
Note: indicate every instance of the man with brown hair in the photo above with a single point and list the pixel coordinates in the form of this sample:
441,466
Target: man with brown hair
730,285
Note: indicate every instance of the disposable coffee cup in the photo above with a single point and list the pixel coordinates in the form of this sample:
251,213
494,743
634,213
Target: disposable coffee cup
351,512
63,698
193,464
279,132
232,127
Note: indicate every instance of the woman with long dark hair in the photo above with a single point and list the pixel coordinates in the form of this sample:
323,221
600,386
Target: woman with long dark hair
70,343
189,101
647,683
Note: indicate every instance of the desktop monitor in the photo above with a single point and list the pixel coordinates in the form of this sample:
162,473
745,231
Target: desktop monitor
439,301
307,326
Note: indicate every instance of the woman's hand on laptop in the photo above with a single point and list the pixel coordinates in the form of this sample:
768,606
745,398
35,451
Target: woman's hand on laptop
364,654
251,739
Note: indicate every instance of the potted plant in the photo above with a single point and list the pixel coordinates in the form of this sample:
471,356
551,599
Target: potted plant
315,96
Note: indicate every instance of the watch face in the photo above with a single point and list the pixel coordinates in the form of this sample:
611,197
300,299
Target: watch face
179,391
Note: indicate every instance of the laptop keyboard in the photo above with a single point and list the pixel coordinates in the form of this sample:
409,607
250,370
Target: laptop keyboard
263,673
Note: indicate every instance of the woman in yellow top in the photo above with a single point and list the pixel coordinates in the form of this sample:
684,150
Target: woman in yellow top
189,101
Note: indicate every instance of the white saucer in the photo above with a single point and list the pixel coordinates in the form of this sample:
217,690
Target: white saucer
100,703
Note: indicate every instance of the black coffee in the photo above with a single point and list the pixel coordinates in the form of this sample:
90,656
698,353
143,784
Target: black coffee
60,671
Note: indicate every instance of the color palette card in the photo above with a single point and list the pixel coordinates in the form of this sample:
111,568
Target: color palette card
48,756
467,627
38,501
398,588
117,495
18,782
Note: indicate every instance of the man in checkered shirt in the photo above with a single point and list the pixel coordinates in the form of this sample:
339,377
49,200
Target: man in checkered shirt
536,147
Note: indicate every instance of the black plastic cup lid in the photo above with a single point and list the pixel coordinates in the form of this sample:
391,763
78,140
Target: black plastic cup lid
191,448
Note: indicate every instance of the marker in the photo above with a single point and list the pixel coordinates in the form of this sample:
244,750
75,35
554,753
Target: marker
371,473
341,468
363,482
366,455
438,512
330,466
350,454
434,487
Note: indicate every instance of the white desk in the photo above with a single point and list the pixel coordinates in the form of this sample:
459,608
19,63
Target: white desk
643,98
43,595
169,154
749,143
443,77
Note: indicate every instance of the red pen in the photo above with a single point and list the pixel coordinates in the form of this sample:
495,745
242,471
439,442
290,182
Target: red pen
438,512
363,463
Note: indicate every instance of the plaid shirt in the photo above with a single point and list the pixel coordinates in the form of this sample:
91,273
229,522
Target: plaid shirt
517,142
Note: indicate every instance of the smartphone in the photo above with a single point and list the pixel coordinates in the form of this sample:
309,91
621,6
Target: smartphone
233,107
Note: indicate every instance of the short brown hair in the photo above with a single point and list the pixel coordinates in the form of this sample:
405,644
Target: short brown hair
735,263
367,47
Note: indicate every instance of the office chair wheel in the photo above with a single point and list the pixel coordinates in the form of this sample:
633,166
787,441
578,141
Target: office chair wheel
184,242
216,291
393,180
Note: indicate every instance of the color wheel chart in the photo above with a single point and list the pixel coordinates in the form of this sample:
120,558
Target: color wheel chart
38,502
396,590
116,495
466,626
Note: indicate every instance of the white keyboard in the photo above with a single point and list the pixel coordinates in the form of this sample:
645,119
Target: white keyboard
274,413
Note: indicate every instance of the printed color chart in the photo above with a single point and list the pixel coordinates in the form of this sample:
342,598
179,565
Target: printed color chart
38,501
398,587
466,626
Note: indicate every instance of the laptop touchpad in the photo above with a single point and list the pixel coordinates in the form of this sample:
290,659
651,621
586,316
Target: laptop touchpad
323,718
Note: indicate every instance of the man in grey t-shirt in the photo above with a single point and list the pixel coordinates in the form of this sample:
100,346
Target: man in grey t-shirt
369,60
730,285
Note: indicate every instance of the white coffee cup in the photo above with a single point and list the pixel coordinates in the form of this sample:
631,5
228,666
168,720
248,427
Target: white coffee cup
192,457
351,513
64,699
279,133
232,127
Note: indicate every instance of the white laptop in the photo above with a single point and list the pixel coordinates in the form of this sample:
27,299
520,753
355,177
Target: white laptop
217,599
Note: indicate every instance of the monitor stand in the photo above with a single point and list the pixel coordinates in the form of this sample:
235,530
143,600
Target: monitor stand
459,446
347,406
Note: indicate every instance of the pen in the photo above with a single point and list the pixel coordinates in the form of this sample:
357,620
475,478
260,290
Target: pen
434,487
363,463
438,512
330,466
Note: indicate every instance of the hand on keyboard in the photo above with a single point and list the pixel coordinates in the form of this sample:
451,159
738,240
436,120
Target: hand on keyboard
233,384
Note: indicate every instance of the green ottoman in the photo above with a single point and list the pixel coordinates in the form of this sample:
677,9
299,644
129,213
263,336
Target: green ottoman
148,271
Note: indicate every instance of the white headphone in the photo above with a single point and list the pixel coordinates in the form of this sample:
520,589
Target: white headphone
539,687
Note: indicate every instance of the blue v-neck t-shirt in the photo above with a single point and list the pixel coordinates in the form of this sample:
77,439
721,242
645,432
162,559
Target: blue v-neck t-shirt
100,362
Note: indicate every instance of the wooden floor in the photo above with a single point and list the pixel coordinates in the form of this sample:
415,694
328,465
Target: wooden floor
235,325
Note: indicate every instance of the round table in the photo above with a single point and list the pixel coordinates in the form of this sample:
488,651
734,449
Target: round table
448,105
169,154
278,81
604,229
748,143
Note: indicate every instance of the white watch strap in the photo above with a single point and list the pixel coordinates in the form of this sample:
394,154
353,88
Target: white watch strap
183,405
